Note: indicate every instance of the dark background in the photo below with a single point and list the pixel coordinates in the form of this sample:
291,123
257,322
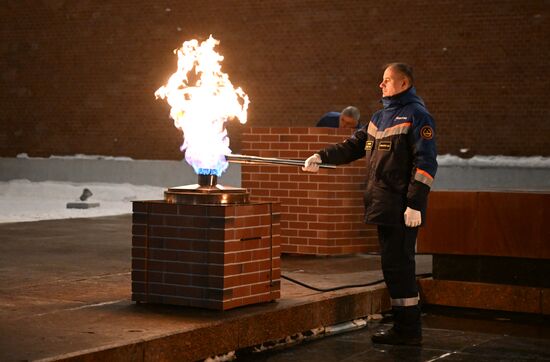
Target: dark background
79,76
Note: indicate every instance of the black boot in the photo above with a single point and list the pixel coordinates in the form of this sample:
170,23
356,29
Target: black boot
407,328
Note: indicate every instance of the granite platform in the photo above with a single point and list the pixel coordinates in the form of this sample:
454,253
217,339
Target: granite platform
65,295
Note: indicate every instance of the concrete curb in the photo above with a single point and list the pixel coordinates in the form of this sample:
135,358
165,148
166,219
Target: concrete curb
273,321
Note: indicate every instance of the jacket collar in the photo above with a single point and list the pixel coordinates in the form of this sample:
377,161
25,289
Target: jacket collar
400,99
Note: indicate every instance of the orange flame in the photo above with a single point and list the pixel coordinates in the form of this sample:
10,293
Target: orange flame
202,103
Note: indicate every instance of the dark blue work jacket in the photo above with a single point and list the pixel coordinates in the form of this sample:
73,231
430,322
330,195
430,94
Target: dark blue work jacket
399,145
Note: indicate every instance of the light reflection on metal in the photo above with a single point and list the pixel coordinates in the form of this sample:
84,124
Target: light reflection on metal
235,158
206,192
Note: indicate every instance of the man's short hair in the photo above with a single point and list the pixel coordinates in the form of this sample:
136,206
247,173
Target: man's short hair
352,112
402,68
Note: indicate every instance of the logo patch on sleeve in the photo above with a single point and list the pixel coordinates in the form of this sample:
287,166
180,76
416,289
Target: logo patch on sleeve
427,132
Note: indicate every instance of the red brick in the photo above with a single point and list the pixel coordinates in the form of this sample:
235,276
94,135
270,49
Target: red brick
178,279
233,281
269,152
220,235
304,249
139,218
292,154
276,262
299,178
260,254
163,208
260,288
197,210
271,138
279,130
209,269
297,241
288,138
251,209
251,278
251,232
243,256
279,193
190,257
246,221
139,229
233,303
269,169
289,248
242,291
278,177
232,269
276,274
253,169
249,244
139,206
231,246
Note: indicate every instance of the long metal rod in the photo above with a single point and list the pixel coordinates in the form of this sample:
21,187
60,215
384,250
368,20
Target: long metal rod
268,160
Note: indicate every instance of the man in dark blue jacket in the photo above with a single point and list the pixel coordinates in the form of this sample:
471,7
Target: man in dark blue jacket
399,145
348,118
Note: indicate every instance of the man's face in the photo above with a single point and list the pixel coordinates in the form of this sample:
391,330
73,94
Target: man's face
393,82
347,122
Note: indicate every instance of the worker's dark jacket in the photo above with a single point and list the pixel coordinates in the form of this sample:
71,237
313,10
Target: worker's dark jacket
399,145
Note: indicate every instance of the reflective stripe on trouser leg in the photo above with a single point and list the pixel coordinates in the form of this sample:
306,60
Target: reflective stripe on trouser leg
405,302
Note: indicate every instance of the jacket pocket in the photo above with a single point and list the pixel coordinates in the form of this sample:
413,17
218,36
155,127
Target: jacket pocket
384,206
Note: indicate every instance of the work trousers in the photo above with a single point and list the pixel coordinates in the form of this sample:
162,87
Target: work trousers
397,246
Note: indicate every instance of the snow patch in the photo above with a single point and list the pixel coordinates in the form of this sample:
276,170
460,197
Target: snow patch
23,200
494,161
78,156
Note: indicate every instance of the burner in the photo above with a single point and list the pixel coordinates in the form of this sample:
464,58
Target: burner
206,191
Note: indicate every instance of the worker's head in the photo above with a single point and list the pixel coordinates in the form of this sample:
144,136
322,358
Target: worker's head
349,117
397,78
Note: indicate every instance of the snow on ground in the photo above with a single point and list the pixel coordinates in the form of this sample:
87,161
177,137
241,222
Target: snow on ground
443,160
23,200
494,161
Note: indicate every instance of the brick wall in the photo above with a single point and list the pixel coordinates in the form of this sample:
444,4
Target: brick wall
215,256
79,76
321,213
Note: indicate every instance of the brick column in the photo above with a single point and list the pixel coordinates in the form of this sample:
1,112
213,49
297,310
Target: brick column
209,256
322,213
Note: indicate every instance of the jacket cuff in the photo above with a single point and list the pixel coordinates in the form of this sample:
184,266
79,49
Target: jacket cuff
324,157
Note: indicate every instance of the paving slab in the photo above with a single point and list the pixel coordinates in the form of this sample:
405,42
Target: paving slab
449,334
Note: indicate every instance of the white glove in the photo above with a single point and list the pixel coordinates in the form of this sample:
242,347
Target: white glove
413,218
312,163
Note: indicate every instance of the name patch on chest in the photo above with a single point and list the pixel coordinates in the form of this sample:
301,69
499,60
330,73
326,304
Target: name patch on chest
368,145
384,145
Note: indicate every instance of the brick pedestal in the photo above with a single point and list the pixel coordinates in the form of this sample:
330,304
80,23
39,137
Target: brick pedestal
321,213
210,256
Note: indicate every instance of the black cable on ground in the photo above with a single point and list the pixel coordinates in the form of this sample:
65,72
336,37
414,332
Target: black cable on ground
422,275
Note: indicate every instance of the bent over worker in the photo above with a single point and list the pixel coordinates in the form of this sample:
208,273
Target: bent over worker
348,118
399,146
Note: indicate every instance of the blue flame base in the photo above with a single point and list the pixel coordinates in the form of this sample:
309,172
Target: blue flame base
209,171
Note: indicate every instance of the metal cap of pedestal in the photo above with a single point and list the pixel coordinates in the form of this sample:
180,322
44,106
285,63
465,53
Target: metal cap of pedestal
206,191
